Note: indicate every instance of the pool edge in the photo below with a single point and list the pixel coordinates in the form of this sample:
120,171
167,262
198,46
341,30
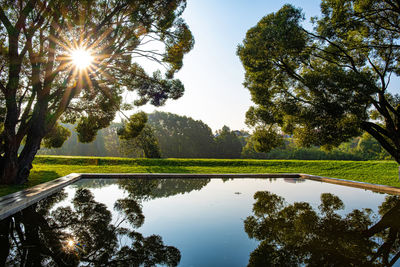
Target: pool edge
362,185
12,203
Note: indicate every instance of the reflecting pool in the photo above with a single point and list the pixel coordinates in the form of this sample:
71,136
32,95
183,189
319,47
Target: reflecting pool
205,222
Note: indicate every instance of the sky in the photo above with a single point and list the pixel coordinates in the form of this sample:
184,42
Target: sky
212,72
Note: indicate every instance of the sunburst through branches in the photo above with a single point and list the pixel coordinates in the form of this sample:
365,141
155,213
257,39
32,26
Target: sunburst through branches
81,58
84,58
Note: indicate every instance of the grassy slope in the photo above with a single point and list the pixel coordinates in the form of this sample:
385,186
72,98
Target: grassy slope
50,167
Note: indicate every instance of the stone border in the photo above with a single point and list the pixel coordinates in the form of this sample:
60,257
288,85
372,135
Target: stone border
17,201
12,203
367,186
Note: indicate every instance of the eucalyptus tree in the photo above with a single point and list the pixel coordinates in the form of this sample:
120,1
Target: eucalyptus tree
137,137
228,145
71,61
181,136
327,85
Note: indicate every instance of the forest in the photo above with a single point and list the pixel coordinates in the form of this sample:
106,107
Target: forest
170,135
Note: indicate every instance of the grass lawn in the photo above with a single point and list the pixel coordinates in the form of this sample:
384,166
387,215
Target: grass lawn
46,168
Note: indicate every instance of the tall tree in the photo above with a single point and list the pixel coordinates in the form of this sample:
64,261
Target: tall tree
137,136
328,85
181,136
228,145
70,61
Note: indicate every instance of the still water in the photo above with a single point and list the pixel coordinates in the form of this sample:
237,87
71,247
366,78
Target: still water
205,222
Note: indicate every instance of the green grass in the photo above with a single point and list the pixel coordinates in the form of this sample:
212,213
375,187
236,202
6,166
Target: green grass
46,168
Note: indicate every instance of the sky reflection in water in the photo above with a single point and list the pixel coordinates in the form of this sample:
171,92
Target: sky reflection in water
208,222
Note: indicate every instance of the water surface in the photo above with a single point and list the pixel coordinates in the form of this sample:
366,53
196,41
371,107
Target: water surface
205,222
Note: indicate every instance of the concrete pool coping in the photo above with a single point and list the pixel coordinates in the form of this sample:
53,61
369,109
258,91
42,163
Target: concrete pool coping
12,203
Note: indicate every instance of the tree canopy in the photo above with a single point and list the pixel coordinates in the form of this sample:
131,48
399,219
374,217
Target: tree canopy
327,85
42,82
181,136
228,144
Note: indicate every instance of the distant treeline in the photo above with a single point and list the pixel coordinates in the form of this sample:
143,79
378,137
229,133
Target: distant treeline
177,136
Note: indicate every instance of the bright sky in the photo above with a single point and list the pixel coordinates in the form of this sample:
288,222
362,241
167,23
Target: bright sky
212,73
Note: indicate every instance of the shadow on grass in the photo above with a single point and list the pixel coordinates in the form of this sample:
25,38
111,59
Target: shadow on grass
35,178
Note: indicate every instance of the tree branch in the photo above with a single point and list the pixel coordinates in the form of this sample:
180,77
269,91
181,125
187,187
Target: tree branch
24,14
3,18
377,132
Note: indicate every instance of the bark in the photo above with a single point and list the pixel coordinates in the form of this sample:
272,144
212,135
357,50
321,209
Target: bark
35,135
9,162
15,169
26,159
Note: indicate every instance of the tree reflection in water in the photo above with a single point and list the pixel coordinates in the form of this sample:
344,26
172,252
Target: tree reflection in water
145,189
82,233
297,234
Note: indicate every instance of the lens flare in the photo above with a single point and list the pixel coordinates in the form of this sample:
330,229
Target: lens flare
81,58
70,243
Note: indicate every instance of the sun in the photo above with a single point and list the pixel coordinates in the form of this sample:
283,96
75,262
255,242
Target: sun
70,243
81,58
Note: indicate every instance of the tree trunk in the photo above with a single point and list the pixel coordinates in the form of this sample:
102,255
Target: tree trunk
9,162
14,169
8,170
34,138
26,158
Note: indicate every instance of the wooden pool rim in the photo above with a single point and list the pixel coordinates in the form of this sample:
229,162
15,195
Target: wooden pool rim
12,203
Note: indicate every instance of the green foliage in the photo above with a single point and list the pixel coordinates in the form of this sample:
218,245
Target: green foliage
312,153
156,90
145,141
181,136
264,140
72,146
228,145
87,128
108,143
148,142
200,143
327,86
370,148
56,137
134,126
360,148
